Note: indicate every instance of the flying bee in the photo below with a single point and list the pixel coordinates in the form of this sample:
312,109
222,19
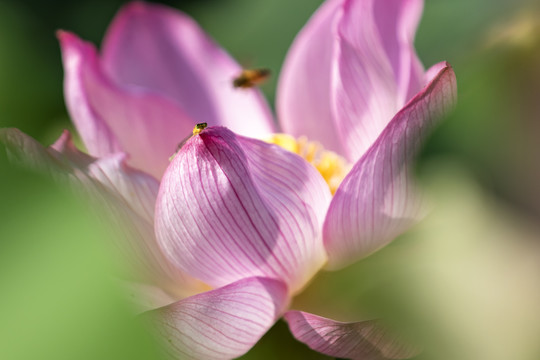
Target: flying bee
196,131
251,77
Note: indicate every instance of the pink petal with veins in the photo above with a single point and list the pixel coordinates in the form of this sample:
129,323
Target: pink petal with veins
348,72
304,94
223,323
364,340
230,207
376,201
376,69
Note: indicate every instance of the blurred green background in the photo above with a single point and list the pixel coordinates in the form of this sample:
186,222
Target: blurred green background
490,141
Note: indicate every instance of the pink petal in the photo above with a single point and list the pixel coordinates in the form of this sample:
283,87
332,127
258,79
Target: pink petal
128,197
95,132
230,207
111,119
303,96
376,201
65,151
350,69
376,69
432,72
157,49
365,340
223,323
397,21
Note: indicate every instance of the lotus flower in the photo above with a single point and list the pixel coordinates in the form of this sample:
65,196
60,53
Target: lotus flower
224,235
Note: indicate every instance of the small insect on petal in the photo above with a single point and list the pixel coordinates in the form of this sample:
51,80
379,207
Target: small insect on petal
251,77
196,131
198,128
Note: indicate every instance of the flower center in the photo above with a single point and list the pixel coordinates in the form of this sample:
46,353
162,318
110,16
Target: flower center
330,165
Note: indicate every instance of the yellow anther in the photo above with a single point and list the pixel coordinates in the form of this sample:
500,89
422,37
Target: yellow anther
330,165
285,141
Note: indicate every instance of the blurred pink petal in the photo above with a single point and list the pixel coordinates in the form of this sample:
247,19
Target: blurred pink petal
156,49
376,200
130,197
304,94
397,21
66,151
111,119
375,68
230,207
127,195
365,340
223,323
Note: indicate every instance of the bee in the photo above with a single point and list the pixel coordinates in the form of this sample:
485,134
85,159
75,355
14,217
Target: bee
250,77
196,131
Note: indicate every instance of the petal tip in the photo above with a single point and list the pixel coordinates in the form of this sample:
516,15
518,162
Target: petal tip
67,38
136,9
62,34
70,43
65,140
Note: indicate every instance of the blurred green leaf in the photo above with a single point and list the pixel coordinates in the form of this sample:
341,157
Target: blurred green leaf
58,298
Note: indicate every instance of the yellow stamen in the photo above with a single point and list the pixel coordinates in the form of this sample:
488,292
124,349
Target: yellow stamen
330,165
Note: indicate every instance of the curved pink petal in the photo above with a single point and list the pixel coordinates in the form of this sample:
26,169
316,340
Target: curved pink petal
397,21
126,195
111,119
65,151
157,49
223,323
96,134
376,200
303,96
365,340
230,207
350,69
432,72
375,70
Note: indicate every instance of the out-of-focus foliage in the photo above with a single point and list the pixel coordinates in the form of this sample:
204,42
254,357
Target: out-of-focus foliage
58,298
463,284
495,127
